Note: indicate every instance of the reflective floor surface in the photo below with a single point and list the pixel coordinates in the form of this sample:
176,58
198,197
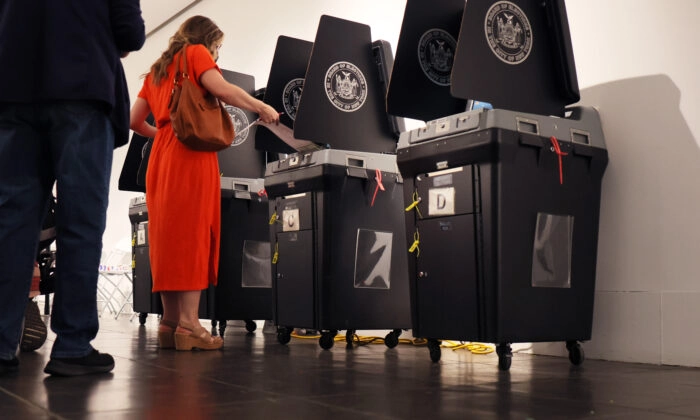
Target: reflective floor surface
256,377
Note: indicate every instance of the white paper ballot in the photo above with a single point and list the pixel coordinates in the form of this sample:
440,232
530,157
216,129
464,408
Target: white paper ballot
286,134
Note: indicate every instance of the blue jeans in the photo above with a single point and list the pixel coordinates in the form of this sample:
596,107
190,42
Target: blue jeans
71,144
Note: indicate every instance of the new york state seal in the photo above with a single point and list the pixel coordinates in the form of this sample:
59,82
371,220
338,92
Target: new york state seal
346,86
508,32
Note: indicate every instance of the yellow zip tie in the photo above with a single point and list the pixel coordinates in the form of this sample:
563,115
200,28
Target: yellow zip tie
414,205
276,256
416,241
273,218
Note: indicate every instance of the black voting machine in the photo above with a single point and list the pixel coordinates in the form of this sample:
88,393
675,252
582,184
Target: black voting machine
337,228
502,205
244,289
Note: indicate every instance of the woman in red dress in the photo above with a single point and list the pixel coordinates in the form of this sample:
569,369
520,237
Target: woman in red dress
183,192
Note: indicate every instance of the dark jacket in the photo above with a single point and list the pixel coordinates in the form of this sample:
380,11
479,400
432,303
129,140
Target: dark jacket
52,50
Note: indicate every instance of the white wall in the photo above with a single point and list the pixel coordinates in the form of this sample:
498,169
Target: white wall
637,62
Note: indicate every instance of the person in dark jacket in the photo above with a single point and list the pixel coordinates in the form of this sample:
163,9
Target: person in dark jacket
64,107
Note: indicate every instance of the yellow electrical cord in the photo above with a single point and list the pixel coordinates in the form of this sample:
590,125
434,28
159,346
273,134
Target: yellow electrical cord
474,348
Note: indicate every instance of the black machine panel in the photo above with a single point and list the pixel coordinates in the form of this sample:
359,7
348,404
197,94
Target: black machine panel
384,60
244,289
133,176
447,292
284,87
343,104
294,283
144,300
242,159
516,55
420,81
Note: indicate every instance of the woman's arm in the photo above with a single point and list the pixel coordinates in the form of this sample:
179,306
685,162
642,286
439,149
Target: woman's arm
139,112
231,94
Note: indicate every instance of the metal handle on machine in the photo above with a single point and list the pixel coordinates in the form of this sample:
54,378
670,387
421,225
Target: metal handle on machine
527,125
580,136
355,167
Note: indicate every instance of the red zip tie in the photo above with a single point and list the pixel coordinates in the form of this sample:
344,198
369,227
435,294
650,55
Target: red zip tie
262,193
559,153
380,186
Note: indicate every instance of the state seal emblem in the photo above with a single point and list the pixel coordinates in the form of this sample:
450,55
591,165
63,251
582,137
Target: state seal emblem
240,124
290,97
508,32
346,86
436,52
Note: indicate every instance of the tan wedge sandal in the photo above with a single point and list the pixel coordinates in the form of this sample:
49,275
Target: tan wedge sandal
166,334
197,338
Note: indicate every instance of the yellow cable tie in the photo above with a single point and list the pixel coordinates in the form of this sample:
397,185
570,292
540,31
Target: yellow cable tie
416,201
273,218
416,241
276,255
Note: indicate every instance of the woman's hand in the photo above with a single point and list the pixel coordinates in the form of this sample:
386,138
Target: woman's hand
268,114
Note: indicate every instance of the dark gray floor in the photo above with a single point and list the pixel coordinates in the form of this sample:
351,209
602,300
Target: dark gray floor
256,377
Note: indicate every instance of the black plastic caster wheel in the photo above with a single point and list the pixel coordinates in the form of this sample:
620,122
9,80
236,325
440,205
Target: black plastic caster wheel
392,339
505,356
349,337
576,354
504,362
284,334
250,326
434,348
142,318
326,340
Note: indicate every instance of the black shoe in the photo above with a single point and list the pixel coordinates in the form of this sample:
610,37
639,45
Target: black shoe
7,366
34,333
94,362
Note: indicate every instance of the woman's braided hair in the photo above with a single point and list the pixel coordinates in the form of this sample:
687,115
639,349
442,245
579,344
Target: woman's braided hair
195,30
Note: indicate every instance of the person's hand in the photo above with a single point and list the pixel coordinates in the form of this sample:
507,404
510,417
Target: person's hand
269,115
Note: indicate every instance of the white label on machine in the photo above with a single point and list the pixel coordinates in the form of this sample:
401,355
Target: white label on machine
441,201
141,234
290,220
